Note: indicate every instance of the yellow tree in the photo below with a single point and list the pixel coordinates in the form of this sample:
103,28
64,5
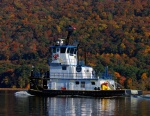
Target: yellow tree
144,76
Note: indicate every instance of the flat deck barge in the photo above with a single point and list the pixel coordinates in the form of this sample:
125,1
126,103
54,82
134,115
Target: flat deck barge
92,93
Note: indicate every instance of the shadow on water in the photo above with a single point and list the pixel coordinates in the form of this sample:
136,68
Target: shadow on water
72,106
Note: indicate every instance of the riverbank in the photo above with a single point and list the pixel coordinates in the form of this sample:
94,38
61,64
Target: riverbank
13,89
146,92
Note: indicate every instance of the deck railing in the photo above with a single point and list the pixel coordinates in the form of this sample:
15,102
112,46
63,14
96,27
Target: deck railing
64,75
71,75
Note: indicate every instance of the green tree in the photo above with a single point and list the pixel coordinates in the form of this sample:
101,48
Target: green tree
23,73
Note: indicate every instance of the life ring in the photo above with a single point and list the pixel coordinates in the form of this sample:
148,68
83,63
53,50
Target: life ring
55,56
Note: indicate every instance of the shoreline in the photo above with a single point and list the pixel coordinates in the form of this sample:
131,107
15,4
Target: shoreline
146,92
12,89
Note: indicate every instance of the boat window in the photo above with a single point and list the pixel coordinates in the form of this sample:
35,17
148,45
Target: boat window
77,82
54,50
64,68
57,49
68,50
71,50
75,51
82,84
93,83
63,50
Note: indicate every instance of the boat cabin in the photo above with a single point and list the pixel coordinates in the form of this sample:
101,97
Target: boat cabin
66,73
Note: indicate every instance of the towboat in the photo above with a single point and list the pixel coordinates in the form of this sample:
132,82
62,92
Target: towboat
68,76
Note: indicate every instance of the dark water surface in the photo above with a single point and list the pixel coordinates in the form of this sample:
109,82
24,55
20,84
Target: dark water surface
11,105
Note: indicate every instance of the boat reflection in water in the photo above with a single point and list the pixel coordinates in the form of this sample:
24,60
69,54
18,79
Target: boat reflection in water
18,105
78,106
98,107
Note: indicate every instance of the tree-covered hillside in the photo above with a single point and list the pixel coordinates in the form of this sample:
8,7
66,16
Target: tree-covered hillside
116,33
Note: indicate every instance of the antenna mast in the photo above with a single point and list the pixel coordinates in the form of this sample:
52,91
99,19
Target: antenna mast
70,29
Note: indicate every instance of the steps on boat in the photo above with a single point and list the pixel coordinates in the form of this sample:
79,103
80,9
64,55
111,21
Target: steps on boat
110,86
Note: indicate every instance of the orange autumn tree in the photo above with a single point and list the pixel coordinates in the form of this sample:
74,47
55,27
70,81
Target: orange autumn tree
144,76
144,82
120,79
129,83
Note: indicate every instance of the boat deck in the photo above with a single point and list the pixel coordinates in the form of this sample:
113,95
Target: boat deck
92,93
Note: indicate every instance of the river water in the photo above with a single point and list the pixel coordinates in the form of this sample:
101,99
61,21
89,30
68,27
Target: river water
12,104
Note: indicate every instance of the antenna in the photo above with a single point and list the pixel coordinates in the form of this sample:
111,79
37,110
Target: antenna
70,29
78,54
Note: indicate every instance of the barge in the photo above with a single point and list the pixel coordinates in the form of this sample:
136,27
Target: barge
68,76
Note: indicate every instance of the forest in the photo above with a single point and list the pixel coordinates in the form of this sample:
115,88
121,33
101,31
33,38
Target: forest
115,33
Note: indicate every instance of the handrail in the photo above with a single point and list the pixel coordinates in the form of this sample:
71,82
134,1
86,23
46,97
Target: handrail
110,86
70,75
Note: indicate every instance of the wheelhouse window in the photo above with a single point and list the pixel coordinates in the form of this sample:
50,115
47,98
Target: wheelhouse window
68,50
63,50
75,51
82,84
71,50
57,49
54,50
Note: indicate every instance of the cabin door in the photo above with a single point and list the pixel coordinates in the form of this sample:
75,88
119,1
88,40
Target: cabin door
82,85
53,85
71,86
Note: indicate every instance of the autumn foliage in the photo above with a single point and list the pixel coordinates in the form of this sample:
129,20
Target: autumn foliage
116,34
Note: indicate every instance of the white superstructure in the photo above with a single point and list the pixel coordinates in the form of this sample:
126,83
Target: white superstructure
67,74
